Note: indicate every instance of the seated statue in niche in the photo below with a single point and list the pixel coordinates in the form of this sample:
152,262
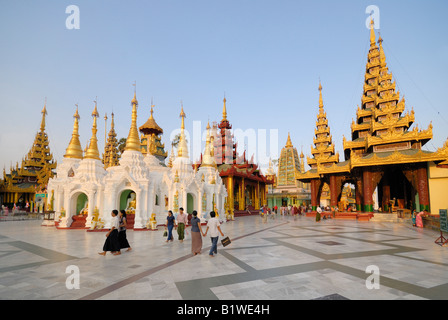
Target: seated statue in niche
85,210
132,204
97,222
152,222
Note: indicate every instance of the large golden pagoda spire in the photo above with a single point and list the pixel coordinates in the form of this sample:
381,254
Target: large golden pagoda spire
133,140
92,152
182,150
74,149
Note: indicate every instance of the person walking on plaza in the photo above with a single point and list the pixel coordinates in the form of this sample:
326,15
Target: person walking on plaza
182,221
318,214
112,244
122,232
196,234
214,226
170,225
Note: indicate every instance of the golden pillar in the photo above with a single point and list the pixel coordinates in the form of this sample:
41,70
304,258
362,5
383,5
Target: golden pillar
242,201
230,196
257,196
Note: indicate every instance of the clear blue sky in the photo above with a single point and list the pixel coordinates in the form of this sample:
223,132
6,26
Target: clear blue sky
267,56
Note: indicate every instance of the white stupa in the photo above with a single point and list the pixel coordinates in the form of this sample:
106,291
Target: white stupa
140,184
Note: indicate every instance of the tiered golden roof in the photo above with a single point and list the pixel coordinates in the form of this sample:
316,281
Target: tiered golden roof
381,134
323,151
111,153
381,124
151,139
35,169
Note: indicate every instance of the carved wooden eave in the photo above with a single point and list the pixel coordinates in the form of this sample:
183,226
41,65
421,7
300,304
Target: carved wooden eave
397,157
393,137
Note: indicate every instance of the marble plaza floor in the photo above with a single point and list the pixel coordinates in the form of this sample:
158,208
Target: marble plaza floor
280,259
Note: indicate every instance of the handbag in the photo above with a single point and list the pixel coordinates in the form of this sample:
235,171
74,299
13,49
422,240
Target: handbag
226,241
165,234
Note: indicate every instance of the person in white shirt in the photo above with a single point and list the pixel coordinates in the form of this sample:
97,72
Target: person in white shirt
112,243
214,226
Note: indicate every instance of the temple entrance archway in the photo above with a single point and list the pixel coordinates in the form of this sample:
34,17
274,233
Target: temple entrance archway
128,200
79,203
190,202
395,191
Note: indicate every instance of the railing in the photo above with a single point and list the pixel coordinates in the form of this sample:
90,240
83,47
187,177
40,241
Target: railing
18,215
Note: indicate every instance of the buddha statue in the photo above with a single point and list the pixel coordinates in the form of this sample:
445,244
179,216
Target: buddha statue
131,205
85,210
152,223
97,223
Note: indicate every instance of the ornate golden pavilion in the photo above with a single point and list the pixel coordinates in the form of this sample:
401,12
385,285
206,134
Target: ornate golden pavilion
31,177
384,151
151,138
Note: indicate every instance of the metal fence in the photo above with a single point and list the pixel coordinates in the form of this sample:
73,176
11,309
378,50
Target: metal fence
20,216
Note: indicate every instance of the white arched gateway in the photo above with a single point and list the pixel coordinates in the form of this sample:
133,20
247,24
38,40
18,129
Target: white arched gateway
140,184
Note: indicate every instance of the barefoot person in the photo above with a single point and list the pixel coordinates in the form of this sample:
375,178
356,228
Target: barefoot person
214,226
112,244
196,234
122,238
182,221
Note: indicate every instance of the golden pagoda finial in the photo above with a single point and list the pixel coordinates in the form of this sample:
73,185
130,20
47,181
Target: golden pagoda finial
182,115
112,122
133,140
171,159
182,150
382,55
208,160
321,102
224,109
288,142
44,113
74,149
92,152
372,32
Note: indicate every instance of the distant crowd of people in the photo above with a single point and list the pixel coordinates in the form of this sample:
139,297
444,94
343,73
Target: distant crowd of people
116,238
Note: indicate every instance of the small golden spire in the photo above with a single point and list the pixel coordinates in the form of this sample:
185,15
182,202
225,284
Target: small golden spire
321,102
74,149
93,152
171,159
372,33
288,142
133,140
224,110
182,150
382,55
44,113
182,115
208,160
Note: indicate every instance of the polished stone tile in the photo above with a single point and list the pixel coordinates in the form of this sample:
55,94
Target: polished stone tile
283,259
